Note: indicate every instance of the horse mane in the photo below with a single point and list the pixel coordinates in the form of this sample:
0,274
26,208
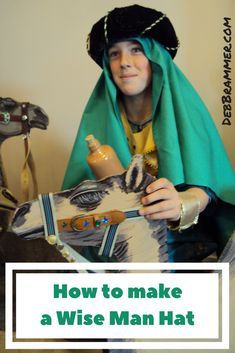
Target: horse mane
9,103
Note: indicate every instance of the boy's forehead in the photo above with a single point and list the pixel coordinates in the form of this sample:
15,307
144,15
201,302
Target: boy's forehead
123,42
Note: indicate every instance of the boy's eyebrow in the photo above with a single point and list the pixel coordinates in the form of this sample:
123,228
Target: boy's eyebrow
129,43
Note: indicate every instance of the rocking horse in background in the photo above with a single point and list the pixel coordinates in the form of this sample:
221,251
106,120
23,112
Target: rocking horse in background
17,119
84,217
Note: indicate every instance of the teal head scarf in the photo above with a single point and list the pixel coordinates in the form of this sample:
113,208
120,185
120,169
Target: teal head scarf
189,149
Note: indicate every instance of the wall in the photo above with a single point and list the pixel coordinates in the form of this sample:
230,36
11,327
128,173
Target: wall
43,60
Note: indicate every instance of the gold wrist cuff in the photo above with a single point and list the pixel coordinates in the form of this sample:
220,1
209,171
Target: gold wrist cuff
189,212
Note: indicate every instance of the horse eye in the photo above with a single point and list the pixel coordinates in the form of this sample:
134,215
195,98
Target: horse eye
38,111
22,210
88,200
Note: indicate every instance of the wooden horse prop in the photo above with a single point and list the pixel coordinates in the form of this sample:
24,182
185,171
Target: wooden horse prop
102,214
17,119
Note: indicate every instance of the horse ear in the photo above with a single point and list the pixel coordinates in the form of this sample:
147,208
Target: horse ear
135,174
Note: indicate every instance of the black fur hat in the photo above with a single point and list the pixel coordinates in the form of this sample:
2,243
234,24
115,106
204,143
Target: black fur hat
131,21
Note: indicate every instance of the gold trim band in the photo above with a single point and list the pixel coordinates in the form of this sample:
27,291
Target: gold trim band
189,212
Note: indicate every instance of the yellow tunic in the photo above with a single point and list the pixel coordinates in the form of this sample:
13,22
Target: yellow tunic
142,143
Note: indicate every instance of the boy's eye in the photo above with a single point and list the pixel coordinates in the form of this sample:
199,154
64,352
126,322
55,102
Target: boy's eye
113,54
137,49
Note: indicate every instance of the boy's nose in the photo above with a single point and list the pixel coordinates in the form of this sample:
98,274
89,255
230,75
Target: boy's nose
125,60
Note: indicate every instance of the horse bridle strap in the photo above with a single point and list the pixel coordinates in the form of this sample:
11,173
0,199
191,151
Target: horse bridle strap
111,233
110,220
48,213
6,117
29,165
91,221
29,161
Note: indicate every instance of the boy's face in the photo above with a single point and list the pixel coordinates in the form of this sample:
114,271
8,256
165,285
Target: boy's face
130,68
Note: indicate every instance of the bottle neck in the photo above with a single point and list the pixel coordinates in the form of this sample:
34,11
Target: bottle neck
94,146
92,143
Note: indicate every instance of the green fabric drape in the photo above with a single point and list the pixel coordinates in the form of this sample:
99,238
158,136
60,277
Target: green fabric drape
189,149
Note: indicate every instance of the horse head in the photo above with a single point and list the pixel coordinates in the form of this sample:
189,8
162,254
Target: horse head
18,118
139,239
